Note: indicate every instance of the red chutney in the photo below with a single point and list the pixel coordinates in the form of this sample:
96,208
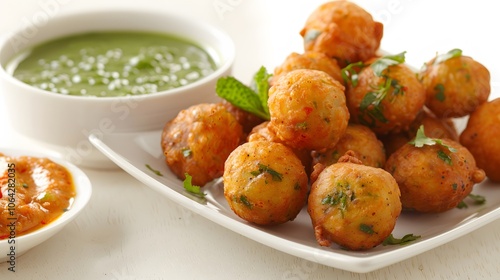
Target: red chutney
33,192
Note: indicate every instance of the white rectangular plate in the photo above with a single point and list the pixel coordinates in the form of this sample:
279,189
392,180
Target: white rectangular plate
133,151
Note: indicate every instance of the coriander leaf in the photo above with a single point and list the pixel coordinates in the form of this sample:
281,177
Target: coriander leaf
189,187
241,96
391,240
366,229
264,168
261,86
385,61
451,54
350,74
478,199
244,200
439,88
186,152
421,139
153,170
444,157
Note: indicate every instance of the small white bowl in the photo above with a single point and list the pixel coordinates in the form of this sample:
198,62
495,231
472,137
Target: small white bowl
23,243
63,123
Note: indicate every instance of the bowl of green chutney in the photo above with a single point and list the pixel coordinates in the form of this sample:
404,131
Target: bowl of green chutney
107,71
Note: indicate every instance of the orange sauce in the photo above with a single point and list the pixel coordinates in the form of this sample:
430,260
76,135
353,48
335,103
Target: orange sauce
33,192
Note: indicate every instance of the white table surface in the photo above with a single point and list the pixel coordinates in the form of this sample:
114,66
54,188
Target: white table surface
129,232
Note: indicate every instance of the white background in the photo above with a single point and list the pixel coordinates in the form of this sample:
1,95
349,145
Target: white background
129,232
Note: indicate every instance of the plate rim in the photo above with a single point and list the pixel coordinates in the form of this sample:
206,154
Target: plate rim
360,264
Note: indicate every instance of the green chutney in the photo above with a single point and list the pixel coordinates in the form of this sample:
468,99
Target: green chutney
114,63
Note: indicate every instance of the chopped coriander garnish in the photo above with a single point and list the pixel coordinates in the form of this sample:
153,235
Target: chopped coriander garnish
189,187
186,152
439,88
371,109
366,229
443,156
264,168
385,61
244,200
154,170
477,199
349,73
391,240
451,54
25,185
251,99
341,197
421,139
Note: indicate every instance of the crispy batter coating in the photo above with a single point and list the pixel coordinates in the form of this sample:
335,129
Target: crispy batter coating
353,205
481,137
308,110
261,133
199,140
265,183
388,103
433,179
359,139
456,86
342,30
310,60
434,127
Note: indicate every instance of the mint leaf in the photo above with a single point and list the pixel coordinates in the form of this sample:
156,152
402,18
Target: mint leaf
261,86
244,97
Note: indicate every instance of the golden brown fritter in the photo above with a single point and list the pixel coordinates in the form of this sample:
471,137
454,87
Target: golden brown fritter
261,133
199,140
359,139
386,103
353,205
342,30
455,86
482,137
310,60
265,183
433,178
308,110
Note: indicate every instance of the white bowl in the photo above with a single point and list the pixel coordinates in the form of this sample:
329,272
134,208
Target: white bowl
63,123
23,243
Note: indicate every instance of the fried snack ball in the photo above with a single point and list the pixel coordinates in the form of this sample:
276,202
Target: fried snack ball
265,183
359,139
386,103
432,178
342,30
199,140
309,60
434,127
481,137
308,110
353,205
455,86
261,133
246,119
